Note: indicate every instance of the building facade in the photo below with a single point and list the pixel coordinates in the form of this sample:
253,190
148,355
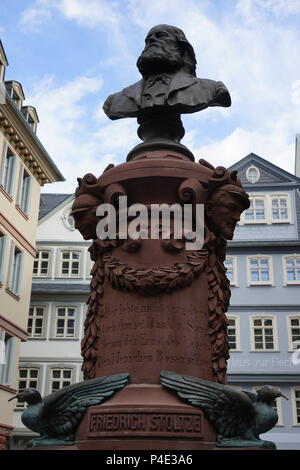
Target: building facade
25,166
263,265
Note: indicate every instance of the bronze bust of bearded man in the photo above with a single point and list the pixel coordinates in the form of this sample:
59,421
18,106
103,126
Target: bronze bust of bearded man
169,84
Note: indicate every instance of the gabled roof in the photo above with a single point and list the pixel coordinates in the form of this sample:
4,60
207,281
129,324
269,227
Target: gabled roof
50,201
270,174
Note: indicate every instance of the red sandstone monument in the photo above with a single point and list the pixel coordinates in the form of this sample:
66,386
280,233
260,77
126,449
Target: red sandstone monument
156,326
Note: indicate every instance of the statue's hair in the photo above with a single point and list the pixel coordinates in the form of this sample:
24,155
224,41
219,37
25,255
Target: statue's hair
186,49
233,189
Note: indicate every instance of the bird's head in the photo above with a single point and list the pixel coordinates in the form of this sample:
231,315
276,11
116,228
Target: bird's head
268,394
29,395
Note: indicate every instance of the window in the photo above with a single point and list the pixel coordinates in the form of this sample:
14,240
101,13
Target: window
277,405
267,209
231,266
68,219
3,240
256,211
36,321
279,208
16,99
291,269
65,322
233,332
7,357
296,405
294,332
41,264
69,263
28,377
15,272
24,191
60,378
260,270
8,170
264,337
252,174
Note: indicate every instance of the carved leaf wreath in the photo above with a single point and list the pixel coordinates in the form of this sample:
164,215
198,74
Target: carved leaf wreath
157,280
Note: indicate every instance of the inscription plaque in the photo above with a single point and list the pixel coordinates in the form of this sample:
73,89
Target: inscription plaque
141,423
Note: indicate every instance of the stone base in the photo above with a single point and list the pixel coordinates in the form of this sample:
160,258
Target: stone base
142,417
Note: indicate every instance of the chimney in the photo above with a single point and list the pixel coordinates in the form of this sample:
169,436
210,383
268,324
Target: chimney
297,156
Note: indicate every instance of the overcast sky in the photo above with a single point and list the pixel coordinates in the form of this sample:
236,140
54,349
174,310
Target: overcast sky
70,55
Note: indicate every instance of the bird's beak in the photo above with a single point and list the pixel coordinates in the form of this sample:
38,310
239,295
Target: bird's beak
283,396
18,396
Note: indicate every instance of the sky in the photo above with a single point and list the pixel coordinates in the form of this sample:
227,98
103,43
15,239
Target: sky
70,55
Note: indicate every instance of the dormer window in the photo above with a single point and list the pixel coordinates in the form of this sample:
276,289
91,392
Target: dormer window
16,99
15,91
30,114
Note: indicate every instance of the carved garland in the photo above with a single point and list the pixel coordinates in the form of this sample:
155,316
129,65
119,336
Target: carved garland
218,301
93,316
156,280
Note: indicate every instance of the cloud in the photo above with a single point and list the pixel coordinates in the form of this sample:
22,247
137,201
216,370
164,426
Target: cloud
76,143
34,17
253,11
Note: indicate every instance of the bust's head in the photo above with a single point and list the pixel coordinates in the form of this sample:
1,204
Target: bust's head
166,50
223,209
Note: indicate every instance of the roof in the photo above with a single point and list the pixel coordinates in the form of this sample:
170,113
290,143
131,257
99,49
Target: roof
50,201
18,113
270,175
3,55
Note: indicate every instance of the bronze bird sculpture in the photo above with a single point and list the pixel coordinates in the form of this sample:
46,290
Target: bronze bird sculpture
57,416
239,417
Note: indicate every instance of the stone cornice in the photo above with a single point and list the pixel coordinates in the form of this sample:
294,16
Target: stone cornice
12,328
26,144
17,235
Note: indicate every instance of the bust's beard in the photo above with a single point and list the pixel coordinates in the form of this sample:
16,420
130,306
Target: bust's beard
157,59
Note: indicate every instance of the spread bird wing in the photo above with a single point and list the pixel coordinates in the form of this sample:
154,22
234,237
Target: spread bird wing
64,409
230,410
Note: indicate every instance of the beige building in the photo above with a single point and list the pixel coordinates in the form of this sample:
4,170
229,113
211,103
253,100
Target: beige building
25,166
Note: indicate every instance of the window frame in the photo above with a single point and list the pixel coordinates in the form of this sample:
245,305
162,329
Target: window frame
43,328
234,281
268,220
252,335
287,282
8,349
288,207
38,381
294,408
14,281
3,251
289,330
236,318
255,221
48,275
61,366
270,282
59,261
78,312
8,171
24,191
